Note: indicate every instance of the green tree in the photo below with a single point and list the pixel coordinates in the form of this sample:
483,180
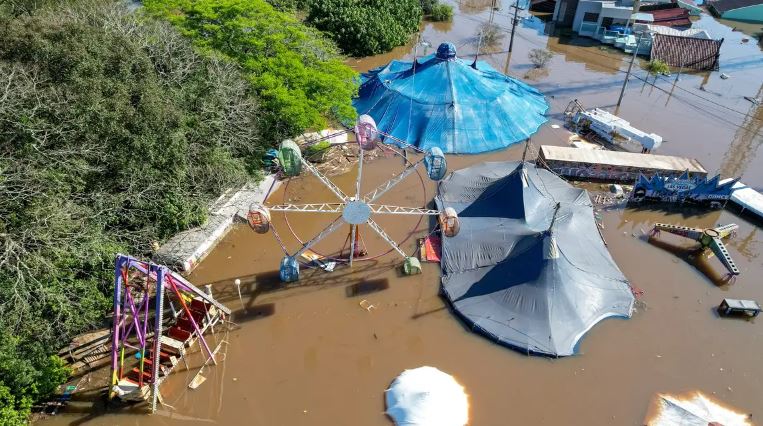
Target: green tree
113,133
366,27
298,74
441,12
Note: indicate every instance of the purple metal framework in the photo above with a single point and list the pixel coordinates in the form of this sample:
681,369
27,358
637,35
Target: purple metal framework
135,283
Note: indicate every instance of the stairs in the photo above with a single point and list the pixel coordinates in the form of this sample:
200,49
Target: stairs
174,342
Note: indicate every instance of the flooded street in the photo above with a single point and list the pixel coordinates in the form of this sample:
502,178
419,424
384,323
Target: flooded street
308,353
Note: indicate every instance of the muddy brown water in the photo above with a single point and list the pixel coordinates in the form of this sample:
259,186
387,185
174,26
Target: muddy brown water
309,354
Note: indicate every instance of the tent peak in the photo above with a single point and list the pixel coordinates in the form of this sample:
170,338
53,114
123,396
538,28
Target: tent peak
446,52
553,218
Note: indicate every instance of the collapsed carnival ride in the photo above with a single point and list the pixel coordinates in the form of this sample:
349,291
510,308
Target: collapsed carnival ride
354,209
149,341
709,238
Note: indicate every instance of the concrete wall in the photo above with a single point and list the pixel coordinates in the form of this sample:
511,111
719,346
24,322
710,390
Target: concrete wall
617,13
583,8
747,14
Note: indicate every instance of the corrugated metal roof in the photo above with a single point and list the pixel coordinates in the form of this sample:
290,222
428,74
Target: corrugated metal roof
687,52
621,159
671,17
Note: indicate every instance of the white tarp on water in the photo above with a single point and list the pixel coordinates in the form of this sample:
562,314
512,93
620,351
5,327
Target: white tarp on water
426,396
699,410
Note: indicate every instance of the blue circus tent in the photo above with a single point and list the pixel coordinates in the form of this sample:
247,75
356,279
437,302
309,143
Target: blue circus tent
462,107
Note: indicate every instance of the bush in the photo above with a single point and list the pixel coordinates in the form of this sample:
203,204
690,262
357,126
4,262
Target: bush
299,76
366,27
427,6
288,5
316,152
114,134
656,67
540,57
442,12
489,34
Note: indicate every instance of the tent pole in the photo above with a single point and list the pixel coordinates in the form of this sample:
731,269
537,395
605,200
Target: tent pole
527,146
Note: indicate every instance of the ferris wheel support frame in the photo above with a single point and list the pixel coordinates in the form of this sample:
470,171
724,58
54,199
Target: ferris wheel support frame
355,210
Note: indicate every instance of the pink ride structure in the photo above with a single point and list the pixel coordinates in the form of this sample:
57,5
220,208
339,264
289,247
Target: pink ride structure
139,360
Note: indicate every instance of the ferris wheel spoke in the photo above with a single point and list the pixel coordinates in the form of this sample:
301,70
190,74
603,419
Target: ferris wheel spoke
309,208
381,189
386,237
330,185
403,144
353,232
323,234
386,209
360,173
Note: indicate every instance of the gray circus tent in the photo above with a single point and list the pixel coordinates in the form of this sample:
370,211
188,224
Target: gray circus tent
528,268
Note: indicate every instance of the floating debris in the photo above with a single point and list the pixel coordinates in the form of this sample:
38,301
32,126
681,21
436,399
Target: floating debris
365,304
697,409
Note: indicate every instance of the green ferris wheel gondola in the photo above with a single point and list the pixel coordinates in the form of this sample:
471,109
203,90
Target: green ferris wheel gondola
290,157
355,209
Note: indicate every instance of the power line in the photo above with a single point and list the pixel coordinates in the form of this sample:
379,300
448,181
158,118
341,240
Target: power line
685,101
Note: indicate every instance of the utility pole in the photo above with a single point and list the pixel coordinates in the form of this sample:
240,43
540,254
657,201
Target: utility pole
514,24
630,66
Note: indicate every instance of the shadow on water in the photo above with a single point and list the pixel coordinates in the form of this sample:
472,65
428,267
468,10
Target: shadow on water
684,210
98,405
696,257
254,312
366,287
432,311
360,279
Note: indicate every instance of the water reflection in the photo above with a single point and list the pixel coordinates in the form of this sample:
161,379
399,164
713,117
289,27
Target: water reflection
746,142
473,7
702,259
589,52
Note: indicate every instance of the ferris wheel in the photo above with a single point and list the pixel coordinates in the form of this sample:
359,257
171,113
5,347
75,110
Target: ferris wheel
355,209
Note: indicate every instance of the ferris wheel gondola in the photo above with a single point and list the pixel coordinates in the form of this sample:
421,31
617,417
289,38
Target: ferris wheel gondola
354,209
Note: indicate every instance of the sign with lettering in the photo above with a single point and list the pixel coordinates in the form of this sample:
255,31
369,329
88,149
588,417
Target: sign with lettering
681,189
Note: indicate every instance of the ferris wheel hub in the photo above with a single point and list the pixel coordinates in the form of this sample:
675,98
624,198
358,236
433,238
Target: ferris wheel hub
356,212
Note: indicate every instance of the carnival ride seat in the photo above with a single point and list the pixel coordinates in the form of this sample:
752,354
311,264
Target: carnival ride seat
290,157
449,223
435,164
289,269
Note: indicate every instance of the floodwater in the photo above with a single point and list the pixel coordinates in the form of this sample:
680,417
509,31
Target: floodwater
309,354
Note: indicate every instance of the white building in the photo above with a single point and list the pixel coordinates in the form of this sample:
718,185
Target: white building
587,17
596,19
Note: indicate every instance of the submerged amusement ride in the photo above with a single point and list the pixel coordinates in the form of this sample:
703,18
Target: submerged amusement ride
709,238
355,209
148,340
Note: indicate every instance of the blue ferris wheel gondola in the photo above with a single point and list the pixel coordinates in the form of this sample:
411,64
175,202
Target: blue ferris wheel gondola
289,270
436,164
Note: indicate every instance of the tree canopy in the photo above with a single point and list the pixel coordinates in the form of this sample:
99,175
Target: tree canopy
113,133
366,27
298,74
117,130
